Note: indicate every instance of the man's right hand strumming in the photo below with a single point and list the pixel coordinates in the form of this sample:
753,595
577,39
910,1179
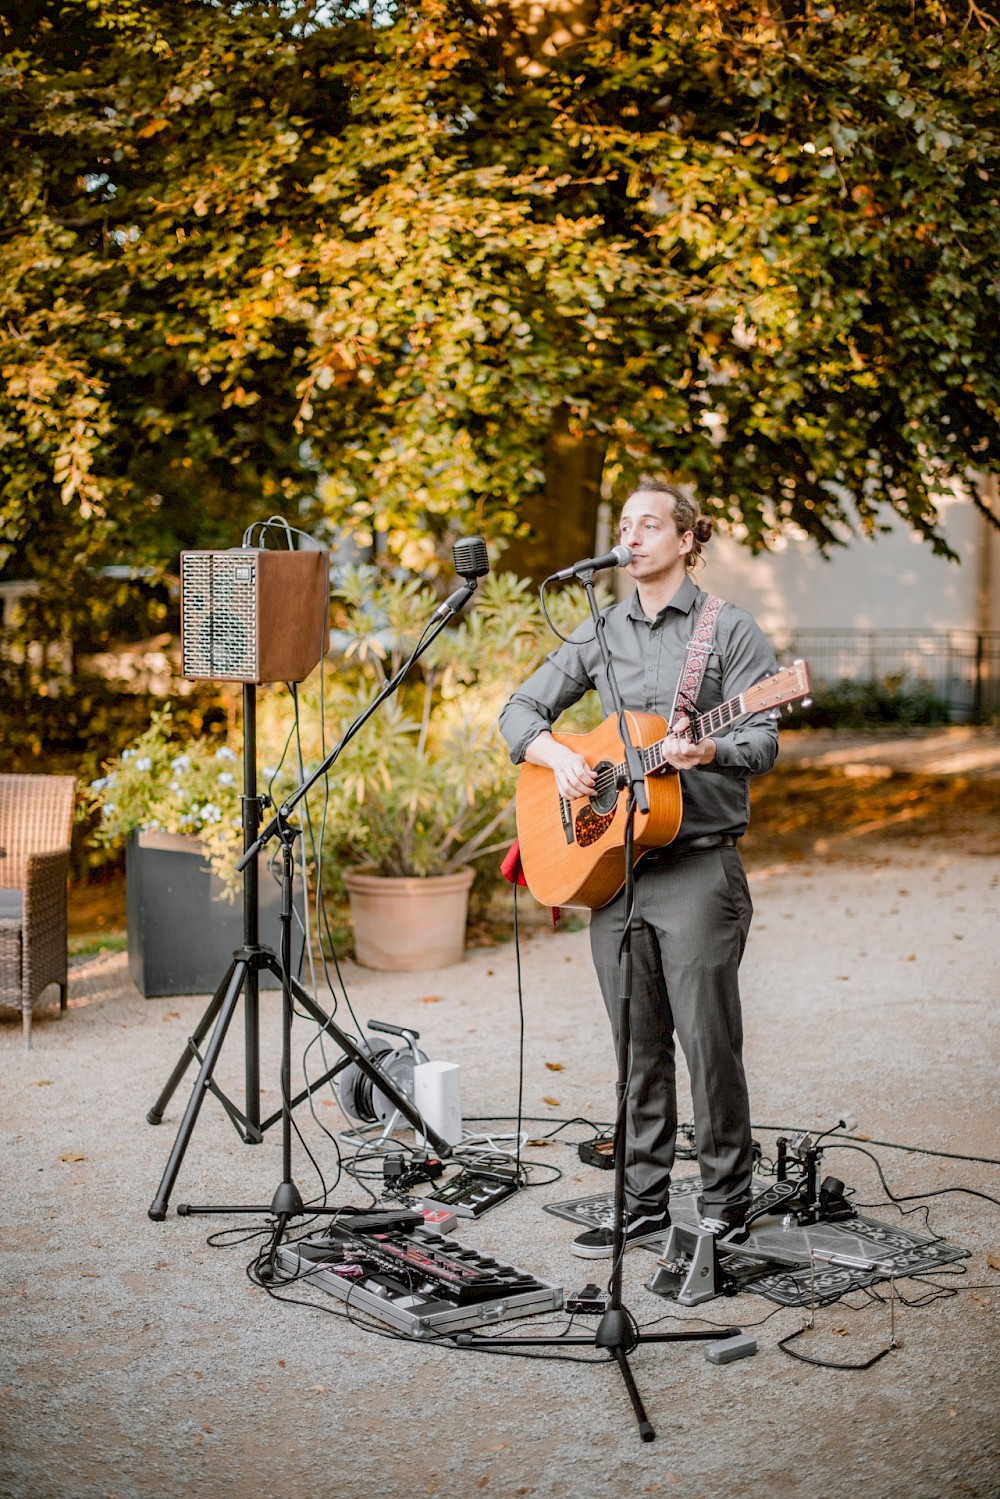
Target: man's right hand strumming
574,777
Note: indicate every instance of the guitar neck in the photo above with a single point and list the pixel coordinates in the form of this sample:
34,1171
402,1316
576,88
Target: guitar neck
701,724
786,686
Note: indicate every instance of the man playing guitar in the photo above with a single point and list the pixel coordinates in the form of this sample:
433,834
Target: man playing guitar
692,904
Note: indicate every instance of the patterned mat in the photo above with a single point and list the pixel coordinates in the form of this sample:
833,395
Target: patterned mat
780,1269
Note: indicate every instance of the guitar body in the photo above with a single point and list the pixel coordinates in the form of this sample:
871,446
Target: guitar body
573,853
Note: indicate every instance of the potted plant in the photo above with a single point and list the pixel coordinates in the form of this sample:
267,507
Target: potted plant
176,804
425,789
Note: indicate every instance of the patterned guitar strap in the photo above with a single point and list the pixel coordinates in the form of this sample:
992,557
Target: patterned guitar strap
696,660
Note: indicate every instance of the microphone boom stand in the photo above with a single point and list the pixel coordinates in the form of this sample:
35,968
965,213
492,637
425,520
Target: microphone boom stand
617,1330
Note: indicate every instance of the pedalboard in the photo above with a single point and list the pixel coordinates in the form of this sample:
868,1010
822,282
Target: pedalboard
418,1282
472,1192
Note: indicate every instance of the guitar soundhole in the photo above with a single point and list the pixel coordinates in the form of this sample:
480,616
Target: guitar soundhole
605,797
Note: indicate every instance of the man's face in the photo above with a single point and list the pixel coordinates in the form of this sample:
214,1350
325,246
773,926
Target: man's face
648,527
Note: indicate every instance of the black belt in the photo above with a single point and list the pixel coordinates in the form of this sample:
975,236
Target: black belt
673,851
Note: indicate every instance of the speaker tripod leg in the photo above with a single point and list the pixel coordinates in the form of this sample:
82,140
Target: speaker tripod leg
155,1115
227,1005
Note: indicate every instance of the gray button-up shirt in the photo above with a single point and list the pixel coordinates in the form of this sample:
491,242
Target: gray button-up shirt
647,656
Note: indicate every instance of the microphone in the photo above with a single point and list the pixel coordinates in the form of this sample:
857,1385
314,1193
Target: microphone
471,563
619,556
471,559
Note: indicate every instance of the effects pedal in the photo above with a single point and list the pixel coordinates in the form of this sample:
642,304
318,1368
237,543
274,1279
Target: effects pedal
599,1152
590,1299
472,1193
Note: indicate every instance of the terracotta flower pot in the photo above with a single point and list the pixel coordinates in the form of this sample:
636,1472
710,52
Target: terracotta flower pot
402,924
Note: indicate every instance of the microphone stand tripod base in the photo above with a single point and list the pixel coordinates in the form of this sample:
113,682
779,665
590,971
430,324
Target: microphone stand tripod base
287,1201
615,1330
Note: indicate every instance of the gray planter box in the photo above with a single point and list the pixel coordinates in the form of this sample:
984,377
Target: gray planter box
182,929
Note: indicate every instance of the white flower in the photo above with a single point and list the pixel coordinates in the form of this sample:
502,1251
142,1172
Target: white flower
108,811
210,813
99,784
183,762
128,754
227,779
143,763
225,753
177,789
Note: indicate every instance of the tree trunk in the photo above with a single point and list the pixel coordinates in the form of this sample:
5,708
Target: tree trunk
563,520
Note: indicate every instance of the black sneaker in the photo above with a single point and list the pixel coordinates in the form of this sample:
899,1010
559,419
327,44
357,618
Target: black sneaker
597,1243
724,1230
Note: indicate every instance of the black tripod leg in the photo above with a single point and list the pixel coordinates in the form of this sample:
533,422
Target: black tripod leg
646,1430
237,976
155,1115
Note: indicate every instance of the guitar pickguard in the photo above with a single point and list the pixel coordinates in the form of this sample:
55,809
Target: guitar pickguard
590,825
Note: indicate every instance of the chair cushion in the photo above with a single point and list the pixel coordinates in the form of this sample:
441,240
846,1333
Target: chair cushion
11,905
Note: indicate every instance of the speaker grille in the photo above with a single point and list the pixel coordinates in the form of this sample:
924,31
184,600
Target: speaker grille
219,603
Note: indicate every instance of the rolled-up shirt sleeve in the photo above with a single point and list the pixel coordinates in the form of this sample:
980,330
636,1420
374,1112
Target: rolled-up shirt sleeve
560,681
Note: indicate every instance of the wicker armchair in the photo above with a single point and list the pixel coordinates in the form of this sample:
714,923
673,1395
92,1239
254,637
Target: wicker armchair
36,819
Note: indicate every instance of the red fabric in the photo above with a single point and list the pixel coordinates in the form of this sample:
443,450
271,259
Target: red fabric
513,872
511,866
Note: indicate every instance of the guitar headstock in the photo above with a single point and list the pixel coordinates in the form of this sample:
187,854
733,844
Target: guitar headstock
788,685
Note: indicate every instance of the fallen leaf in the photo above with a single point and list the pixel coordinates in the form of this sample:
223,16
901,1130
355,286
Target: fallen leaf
553,1102
952,1411
198,1374
43,1082
839,1332
319,1388
430,999
282,1364
912,958
554,1066
993,1260
537,1144
208,1429
981,1300
69,1156
89,1275
160,1265
497,1447
172,1015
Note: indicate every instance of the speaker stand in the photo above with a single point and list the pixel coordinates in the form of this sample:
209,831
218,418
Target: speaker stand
241,978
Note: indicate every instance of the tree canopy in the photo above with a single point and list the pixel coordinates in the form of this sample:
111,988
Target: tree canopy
384,269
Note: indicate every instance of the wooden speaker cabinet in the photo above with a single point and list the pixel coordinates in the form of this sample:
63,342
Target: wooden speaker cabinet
252,615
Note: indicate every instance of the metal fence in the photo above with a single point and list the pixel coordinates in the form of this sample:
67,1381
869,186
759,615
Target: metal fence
959,667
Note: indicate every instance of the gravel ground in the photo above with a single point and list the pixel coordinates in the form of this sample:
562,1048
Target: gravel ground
138,1360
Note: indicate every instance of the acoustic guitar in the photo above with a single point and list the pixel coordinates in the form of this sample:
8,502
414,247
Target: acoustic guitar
573,852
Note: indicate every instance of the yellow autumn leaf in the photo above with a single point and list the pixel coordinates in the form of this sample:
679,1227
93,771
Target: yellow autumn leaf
554,1102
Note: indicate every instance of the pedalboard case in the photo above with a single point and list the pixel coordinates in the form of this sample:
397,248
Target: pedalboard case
421,1283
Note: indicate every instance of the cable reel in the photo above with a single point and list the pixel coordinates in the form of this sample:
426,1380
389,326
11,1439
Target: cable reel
362,1099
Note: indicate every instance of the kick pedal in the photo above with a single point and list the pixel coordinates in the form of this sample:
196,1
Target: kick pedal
771,1199
689,1271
